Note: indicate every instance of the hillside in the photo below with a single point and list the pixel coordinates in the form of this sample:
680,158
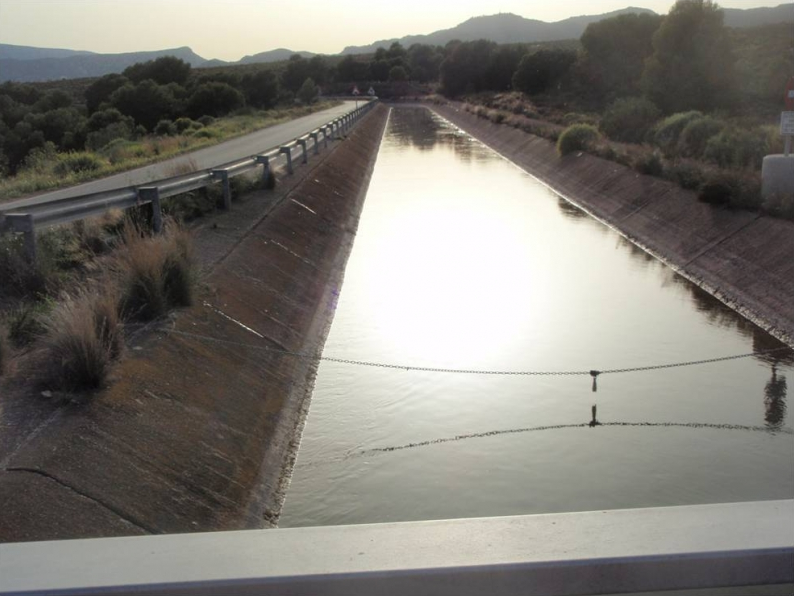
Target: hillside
511,28
80,65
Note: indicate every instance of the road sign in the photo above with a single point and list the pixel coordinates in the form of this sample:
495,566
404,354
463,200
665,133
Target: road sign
790,94
356,91
787,123
371,92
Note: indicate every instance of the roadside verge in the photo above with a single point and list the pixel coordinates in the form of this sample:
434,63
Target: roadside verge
196,431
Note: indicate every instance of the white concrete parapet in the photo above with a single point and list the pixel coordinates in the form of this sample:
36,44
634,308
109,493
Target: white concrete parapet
777,175
724,546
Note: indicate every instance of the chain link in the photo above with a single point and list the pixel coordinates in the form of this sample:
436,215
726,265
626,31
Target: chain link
592,373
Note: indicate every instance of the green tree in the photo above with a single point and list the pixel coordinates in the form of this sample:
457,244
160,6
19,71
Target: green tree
397,73
147,102
318,70
308,92
692,63
504,63
424,62
379,70
297,71
350,70
100,90
162,71
465,68
260,89
615,51
214,99
539,71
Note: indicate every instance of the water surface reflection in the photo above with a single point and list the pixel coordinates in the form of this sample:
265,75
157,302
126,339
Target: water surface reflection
463,261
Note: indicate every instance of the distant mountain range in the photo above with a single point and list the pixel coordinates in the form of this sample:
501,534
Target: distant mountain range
510,28
25,64
28,64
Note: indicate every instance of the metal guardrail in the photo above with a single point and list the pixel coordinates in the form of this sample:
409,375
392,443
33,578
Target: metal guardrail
726,549
34,217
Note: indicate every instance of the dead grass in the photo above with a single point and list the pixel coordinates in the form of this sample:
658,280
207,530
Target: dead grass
84,337
3,350
157,273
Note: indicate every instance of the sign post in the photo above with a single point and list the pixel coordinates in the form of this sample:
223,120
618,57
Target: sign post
356,93
787,117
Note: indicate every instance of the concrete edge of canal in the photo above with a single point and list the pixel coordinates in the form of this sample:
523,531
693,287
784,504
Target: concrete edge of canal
744,259
199,428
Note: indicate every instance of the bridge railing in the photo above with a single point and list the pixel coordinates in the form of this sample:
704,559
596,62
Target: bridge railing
735,549
33,217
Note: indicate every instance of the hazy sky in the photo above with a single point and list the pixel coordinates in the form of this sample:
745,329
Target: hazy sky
231,29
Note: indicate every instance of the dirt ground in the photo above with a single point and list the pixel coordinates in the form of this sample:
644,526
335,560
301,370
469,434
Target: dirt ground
197,429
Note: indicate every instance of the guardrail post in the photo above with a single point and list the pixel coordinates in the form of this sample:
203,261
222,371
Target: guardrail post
302,143
315,137
325,135
265,161
288,152
24,223
227,187
151,194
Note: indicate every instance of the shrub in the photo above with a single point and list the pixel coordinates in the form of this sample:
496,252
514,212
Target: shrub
165,128
105,136
629,119
26,322
74,163
668,131
205,134
732,189
693,139
737,148
650,163
206,120
686,174
3,351
578,137
183,124
577,118
19,277
158,273
84,336
214,99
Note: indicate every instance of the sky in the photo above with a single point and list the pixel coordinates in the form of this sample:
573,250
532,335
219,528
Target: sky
231,29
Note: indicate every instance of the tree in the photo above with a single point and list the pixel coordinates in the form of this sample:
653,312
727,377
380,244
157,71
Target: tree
465,68
318,70
100,90
540,71
692,63
379,70
397,73
308,92
167,69
350,70
214,99
424,62
504,63
260,89
297,71
147,102
615,51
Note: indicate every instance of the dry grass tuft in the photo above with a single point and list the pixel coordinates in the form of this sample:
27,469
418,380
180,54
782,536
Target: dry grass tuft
3,351
84,337
157,272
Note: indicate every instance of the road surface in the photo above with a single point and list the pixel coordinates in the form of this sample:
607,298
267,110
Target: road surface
209,157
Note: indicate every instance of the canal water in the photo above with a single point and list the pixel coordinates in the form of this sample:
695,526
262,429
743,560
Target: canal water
463,261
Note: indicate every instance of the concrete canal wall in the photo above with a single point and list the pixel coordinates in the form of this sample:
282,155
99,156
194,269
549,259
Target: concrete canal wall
743,258
197,430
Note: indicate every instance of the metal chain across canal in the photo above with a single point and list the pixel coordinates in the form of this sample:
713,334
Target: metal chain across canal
592,373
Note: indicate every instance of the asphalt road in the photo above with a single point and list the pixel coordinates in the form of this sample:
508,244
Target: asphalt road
228,151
